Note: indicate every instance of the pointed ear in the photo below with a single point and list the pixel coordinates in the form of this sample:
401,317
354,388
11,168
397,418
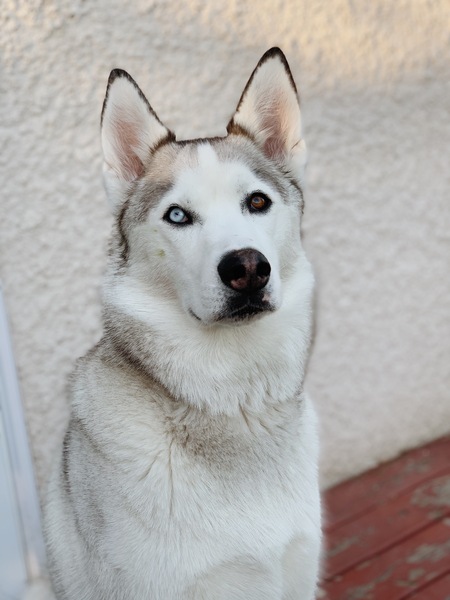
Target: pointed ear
269,112
130,130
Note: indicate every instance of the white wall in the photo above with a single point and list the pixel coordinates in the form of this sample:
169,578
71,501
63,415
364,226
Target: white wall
374,81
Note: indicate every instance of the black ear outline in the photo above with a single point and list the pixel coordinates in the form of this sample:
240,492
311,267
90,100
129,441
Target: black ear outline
120,73
274,52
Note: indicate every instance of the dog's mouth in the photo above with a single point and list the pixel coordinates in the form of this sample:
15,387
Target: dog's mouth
240,309
244,308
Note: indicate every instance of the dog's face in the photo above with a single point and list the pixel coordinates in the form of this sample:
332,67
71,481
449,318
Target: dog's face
211,225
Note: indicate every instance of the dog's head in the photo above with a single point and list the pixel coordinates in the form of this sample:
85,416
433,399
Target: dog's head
212,226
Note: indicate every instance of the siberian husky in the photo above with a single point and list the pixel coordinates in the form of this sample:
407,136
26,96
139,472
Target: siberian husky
189,467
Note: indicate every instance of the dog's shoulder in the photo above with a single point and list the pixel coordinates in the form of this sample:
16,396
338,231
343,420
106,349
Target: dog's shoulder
110,393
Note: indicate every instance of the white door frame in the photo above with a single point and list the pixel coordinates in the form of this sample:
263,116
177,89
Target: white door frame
19,455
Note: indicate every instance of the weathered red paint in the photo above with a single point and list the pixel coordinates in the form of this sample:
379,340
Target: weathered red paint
394,574
438,590
392,540
387,525
357,496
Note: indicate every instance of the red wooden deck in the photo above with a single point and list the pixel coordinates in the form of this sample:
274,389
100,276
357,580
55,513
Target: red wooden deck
388,531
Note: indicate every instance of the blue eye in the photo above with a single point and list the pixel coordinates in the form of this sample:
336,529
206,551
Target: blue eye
178,216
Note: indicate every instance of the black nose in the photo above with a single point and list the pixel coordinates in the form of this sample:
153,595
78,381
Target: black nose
244,271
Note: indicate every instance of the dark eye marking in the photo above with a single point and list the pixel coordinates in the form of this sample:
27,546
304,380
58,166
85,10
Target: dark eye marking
257,202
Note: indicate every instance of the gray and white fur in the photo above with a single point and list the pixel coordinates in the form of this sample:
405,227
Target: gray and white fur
189,466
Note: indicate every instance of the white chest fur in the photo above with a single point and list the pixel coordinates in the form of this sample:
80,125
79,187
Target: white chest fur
200,505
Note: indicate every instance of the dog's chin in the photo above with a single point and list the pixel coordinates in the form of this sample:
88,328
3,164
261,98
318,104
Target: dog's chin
238,317
243,310
238,310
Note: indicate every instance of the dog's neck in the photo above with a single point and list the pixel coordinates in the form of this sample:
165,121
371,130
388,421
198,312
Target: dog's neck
223,369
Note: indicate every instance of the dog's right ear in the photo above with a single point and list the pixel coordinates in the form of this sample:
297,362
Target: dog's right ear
130,130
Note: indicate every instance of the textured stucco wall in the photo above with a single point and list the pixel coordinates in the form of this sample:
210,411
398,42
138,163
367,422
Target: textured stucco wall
374,83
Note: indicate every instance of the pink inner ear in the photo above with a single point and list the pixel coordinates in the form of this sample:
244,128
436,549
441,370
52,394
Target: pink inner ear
126,143
273,124
273,147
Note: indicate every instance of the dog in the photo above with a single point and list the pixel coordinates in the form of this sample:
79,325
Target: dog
189,466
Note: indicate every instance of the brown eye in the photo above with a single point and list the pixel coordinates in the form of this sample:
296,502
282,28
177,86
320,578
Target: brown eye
258,202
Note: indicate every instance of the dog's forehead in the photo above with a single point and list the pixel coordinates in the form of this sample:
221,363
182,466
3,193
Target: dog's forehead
207,171
207,157
228,164
181,163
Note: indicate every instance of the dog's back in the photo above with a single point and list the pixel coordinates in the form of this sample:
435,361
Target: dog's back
189,467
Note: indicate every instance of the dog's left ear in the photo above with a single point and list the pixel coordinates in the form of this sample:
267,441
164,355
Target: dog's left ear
269,112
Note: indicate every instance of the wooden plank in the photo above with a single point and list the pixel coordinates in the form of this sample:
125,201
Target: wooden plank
391,522
357,496
399,571
437,590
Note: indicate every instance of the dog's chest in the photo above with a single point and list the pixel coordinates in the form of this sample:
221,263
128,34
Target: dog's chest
211,491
